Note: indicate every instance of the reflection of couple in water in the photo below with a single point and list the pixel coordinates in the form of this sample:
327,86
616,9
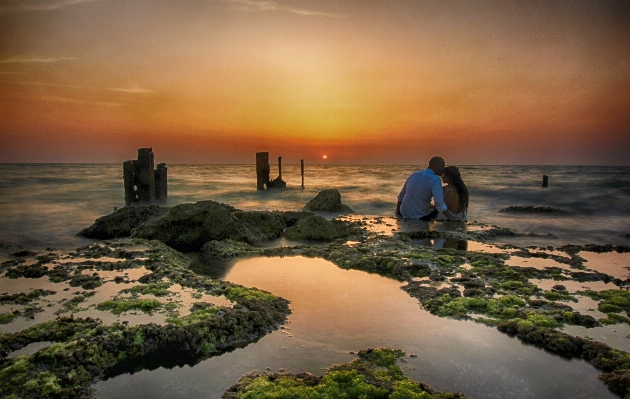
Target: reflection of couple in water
421,187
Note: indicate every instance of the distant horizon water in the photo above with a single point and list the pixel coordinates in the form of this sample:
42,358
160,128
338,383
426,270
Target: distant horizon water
47,204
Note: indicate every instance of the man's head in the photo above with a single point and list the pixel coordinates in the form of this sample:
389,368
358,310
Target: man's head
436,164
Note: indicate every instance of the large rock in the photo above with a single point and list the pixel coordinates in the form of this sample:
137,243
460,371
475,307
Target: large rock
328,201
188,226
265,225
316,228
121,222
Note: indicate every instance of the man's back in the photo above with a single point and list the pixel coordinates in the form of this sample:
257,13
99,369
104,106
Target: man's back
416,194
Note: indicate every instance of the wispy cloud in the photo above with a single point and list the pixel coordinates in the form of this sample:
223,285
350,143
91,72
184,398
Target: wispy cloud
133,90
26,60
265,5
37,5
66,100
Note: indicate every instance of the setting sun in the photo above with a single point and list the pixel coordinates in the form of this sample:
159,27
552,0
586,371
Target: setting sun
325,157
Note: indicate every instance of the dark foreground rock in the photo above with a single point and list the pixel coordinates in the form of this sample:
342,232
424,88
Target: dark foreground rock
328,201
85,350
373,375
187,227
317,228
121,222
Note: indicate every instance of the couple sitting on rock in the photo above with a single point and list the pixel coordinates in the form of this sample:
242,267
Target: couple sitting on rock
414,200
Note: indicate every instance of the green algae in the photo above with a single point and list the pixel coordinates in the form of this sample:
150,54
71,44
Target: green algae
6,318
234,293
373,375
195,317
87,349
118,306
612,301
156,289
24,298
73,303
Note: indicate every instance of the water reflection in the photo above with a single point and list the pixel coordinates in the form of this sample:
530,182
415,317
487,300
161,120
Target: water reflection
336,311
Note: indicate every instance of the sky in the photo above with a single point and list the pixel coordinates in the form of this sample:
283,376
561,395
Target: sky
360,81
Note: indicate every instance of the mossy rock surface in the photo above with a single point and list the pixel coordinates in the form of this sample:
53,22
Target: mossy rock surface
122,221
188,226
316,228
373,375
328,201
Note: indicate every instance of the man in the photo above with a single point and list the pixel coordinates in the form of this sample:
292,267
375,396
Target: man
414,200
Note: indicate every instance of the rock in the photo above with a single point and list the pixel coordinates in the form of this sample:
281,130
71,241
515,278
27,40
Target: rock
316,228
328,201
267,224
187,227
121,222
226,249
618,381
291,218
24,253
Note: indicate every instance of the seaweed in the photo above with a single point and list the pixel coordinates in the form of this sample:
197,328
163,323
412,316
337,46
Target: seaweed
373,375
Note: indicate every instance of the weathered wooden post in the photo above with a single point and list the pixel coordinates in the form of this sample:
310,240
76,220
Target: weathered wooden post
545,182
129,180
145,179
262,170
302,169
161,185
280,168
142,183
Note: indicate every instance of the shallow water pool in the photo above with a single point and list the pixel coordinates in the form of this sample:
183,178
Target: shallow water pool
337,311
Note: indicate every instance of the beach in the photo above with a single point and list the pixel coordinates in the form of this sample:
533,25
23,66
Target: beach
554,258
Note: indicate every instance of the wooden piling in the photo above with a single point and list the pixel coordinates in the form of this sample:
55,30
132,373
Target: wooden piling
262,170
145,179
302,169
545,182
161,185
129,181
280,168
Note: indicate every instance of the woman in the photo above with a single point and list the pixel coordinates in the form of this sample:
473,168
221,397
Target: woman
455,193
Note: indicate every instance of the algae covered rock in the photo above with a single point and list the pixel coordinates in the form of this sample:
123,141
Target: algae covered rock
328,201
316,228
226,249
122,221
266,225
373,375
188,226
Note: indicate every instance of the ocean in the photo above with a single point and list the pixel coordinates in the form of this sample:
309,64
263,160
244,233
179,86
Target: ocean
45,205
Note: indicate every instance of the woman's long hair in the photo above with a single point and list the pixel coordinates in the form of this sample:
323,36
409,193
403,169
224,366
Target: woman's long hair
455,180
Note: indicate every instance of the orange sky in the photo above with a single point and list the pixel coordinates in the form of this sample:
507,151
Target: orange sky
378,81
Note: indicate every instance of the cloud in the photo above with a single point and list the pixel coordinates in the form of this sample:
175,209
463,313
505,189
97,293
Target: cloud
133,90
66,100
37,5
265,5
21,59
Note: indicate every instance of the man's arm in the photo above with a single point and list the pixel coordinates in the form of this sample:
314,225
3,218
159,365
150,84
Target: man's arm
438,198
398,214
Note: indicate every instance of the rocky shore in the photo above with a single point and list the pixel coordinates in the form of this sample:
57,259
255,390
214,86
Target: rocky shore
146,249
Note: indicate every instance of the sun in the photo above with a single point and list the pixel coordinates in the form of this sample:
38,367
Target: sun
325,157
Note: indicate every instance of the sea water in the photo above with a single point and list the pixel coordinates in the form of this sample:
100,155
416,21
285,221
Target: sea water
47,204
